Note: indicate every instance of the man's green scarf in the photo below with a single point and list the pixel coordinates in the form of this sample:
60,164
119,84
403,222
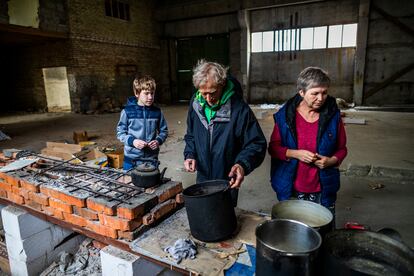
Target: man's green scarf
210,111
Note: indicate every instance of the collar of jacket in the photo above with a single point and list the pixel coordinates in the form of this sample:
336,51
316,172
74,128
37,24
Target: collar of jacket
210,111
326,112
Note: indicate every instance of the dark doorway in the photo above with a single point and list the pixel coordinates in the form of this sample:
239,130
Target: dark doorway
189,50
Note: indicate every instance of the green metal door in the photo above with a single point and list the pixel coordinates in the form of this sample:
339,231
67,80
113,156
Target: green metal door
189,50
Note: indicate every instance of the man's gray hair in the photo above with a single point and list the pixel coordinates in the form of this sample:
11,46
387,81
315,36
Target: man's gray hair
312,77
207,70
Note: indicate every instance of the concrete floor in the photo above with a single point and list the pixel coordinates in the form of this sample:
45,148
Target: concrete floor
384,142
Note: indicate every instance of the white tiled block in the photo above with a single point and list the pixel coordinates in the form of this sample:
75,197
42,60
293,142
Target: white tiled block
118,262
20,224
33,268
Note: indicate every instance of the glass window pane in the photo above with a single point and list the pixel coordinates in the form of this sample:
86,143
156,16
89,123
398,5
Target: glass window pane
256,42
349,35
276,41
293,39
319,37
286,40
335,36
268,41
306,38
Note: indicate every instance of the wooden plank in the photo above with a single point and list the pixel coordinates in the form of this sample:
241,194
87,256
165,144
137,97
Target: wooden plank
388,81
361,49
64,147
394,20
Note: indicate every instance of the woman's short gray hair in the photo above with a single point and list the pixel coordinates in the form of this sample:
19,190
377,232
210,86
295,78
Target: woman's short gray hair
207,70
312,77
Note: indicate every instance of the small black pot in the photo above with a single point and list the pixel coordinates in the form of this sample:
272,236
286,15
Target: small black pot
210,210
147,179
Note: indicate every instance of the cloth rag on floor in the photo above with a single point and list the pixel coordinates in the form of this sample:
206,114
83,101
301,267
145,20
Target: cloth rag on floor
182,249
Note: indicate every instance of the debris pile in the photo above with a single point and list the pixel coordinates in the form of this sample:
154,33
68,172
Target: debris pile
102,200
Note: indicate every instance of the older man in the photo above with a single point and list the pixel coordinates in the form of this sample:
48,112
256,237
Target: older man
224,139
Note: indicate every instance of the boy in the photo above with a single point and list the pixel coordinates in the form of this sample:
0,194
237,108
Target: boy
141,127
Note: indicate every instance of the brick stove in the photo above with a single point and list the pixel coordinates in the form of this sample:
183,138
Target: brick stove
102,200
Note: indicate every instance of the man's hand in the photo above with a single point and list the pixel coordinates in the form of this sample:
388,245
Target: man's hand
153,144
237,176
324,161
139,144
190,165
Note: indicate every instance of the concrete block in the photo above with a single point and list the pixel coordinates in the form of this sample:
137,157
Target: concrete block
20,224
118,262
36,245
358,170
1,220
21,268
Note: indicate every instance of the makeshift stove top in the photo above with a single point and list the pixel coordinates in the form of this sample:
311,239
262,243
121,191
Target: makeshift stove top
103,200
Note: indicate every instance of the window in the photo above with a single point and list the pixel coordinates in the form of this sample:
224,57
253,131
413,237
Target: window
117,9
322,37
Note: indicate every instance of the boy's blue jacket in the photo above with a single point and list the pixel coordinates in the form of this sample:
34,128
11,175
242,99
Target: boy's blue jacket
283,172
140,122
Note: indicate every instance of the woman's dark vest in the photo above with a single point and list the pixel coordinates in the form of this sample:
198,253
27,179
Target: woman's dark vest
283,172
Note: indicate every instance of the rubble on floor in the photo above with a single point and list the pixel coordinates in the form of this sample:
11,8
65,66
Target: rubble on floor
85,262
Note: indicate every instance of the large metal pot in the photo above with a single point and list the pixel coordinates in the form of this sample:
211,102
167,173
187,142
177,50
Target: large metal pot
210,210
361,252
310,213
286,247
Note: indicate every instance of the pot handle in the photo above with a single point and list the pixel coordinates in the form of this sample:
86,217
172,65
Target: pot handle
162,173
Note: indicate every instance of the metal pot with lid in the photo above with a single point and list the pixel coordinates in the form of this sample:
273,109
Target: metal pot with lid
147,174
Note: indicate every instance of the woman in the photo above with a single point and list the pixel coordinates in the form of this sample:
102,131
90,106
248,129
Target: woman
308,142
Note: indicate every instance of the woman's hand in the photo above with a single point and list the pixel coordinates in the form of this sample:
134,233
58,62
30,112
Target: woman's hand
302,155
324,161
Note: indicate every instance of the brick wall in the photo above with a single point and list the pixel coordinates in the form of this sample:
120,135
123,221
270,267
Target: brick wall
4,16
107,52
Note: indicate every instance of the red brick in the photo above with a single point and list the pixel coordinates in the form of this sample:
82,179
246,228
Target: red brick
39,198
102,229
168,190
86,213
137,207
69,199
131,235
30,186
15,198
13,180
98,244
101,205
119,223
53,212
75,219
3,193
5,186
33,204
158,212
60,205
15,190
25,193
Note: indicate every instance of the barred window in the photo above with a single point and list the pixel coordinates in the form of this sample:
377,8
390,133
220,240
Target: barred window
321,37
117,9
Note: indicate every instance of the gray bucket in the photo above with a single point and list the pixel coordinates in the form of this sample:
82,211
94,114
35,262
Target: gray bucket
286,247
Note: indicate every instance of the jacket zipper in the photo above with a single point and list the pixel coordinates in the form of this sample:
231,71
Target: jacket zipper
210,130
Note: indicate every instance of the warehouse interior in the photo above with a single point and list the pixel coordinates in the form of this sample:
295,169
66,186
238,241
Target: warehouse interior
68,66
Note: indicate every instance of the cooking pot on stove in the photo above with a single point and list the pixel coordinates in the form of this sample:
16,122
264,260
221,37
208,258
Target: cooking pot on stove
147,174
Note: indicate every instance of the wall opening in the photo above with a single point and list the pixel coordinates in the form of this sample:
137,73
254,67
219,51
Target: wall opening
57,89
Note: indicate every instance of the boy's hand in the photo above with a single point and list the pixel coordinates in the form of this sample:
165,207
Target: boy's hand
324,161
139,144
153,144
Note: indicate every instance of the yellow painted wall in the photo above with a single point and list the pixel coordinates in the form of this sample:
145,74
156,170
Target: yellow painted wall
24,13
